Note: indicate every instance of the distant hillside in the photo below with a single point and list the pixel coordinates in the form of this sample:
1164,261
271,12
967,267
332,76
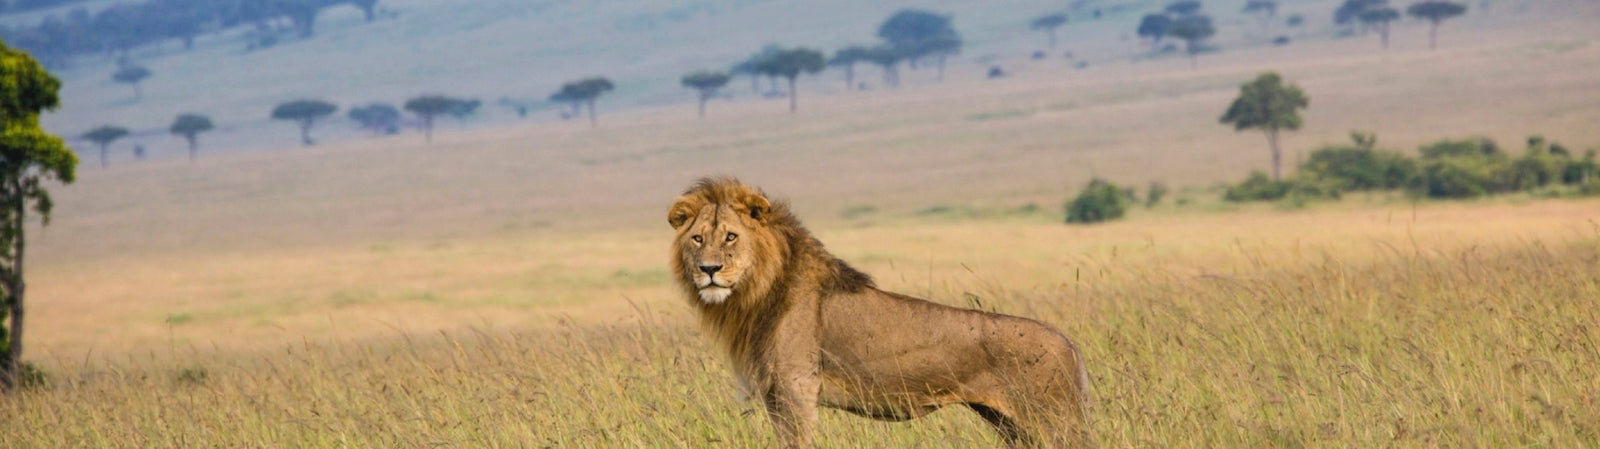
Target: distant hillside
491,49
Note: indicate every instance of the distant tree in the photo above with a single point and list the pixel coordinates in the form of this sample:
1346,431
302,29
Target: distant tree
748,67
304,113
586,91
706,83
1269,105
887,58
103,136
1435,12
132,75
918,34
1154,27
520,106
1264,10
789,64
1183,7
1100,201
1295,20
1348,14
569,95
379,118
1049,23
463,108
1379,19
31,157
847,58
427,107
1193,29
190,126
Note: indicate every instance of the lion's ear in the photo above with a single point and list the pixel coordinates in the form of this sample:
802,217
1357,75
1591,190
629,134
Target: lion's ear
756,205
681,211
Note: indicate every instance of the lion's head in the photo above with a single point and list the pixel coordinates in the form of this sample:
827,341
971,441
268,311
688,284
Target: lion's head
726,246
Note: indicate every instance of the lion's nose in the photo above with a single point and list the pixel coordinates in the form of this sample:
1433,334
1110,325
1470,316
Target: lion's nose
711,269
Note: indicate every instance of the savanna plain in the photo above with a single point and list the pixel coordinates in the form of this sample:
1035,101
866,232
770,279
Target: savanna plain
508,287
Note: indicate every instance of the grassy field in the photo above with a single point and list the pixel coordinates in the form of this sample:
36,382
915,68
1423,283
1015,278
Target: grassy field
508,286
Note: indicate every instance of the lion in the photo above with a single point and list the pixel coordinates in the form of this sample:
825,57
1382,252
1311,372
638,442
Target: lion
803,329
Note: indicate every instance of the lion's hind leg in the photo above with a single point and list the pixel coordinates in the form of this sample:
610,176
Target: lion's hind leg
1007,426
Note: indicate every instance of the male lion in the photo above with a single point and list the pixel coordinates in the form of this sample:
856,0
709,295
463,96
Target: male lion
804,329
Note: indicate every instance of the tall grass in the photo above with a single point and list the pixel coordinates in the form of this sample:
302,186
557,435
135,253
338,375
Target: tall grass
1478,347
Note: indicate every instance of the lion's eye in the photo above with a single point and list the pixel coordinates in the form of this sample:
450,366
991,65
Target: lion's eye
732,237
698,239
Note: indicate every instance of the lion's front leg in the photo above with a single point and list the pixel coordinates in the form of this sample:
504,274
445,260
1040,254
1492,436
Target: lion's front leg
792,406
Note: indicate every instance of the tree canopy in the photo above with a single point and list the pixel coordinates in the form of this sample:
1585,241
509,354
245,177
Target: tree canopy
1193,29
917,34
1379,19
378,118
584,91
1269,105
847,58
789,64
706,82
1154,27
29,156
1049,23
189,126
132,75
304,113
103,136
1435,12
427,107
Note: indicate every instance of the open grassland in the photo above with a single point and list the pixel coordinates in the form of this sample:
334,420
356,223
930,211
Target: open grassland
1371,329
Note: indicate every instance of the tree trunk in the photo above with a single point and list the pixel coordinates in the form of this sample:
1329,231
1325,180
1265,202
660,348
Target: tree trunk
1383,35
103,163
793,96
14,291
1433,35
703,97
193,148
1277,156
592,121
427,129
305,132
850,76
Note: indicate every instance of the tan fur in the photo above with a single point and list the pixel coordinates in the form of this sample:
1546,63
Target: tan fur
804,329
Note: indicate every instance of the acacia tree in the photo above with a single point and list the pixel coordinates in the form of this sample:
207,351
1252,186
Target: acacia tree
789,64
189,126
706,82
1435,12
464,108
304,113
1154,27
1269,105
847,58
132,75
29,157
426,107
1049,23
1193,29
887,58
917,34
103,136
1379,19
379,118
585,91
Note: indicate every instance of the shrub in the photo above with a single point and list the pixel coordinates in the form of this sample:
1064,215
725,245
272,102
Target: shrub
1157,191
1456,177
1470,147
1360,166
1301,188
1099,201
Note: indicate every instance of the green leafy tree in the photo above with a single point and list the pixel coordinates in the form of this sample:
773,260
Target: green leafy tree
132,75
31,156
1100,201
1271,106
847,58
1435,12
1154,27
464,108
304,113
103,136
1379,19
427,107
1348,14
190,126
1049,23
789,64
585,91
1194,30
706,83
